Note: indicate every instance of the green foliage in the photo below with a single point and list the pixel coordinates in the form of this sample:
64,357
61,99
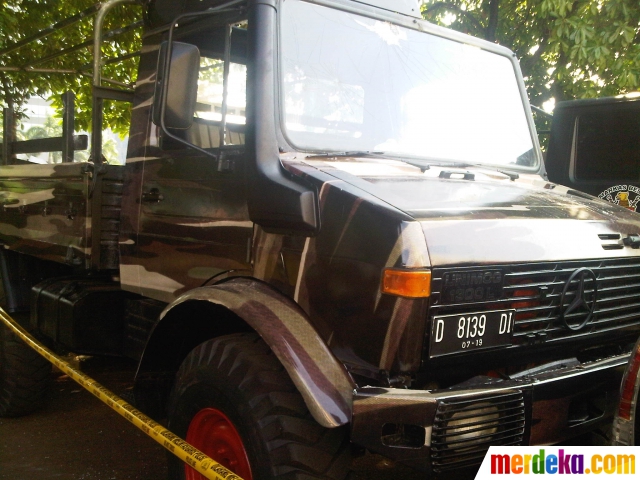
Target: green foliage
567,48
211,70
20,19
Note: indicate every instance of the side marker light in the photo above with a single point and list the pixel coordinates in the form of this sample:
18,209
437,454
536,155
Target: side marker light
406,283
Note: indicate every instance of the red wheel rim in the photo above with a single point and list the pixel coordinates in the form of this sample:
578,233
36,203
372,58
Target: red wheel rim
214,434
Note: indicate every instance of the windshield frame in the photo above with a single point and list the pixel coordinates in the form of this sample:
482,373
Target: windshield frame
421,26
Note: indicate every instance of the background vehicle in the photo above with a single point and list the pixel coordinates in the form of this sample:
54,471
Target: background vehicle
625,422
595,148
359,252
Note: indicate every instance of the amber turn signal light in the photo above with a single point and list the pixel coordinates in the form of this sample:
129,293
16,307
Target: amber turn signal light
406,283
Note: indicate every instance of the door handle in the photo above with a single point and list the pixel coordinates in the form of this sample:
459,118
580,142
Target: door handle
152,196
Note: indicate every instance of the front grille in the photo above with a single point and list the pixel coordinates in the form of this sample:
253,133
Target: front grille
535,291
464,429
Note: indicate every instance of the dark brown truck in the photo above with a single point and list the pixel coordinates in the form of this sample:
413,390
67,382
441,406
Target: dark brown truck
331,235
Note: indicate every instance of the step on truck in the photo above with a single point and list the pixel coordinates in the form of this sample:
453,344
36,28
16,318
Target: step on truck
332,235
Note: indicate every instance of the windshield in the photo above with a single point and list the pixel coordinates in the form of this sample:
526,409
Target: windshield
352,83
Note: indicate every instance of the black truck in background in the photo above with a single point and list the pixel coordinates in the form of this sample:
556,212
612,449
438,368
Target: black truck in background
594,147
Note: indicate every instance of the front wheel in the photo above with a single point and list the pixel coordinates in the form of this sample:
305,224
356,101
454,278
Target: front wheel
234,401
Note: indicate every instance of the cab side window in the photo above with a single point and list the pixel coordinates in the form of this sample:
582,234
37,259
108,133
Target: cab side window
210,107
220,115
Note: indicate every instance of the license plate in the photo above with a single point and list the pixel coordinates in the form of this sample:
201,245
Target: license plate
471,331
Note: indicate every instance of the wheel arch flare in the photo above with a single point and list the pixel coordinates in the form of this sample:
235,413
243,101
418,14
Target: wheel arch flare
321,379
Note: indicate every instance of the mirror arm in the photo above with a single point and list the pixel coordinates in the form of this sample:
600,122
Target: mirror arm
165,85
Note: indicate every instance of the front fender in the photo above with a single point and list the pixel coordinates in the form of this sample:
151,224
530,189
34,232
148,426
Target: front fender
321,379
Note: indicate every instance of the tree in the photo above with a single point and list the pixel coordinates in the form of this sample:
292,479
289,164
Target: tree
20,19
567,48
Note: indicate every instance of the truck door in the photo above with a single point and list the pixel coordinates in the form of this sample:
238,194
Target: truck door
192,220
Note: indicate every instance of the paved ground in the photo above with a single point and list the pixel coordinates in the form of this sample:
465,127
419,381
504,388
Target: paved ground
76,437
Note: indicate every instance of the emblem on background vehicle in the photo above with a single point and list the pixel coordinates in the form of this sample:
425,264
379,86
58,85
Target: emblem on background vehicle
626,196
582,286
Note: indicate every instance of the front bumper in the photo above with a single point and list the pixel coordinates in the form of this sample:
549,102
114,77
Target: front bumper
543,406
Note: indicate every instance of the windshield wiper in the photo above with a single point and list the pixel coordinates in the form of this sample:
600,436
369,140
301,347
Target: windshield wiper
512,175
350,153
422,164
426,165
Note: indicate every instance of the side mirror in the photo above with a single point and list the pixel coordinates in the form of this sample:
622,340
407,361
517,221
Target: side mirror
180,86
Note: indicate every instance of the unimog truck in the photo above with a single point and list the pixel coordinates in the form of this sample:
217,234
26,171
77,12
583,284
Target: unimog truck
332,235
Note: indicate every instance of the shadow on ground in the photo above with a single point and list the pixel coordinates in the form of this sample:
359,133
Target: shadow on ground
76,437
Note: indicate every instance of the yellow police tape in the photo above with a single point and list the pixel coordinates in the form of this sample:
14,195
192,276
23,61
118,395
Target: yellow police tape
176,445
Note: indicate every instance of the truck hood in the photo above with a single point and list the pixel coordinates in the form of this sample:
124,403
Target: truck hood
489,217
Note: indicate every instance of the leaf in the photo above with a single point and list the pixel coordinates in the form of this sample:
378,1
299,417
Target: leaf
26,17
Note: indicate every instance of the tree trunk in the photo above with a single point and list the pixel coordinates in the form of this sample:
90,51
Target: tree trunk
8,98
9,134
492,27
527,63
454,8
557,87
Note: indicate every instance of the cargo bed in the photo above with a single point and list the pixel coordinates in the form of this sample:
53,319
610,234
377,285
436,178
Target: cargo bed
51,210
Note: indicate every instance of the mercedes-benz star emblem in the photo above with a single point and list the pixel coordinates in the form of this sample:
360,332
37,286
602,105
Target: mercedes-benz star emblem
582,286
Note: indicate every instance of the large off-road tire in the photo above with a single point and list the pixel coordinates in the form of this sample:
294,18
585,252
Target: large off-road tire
24,376
234,401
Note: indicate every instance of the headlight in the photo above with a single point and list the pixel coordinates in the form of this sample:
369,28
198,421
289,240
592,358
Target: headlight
467,427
